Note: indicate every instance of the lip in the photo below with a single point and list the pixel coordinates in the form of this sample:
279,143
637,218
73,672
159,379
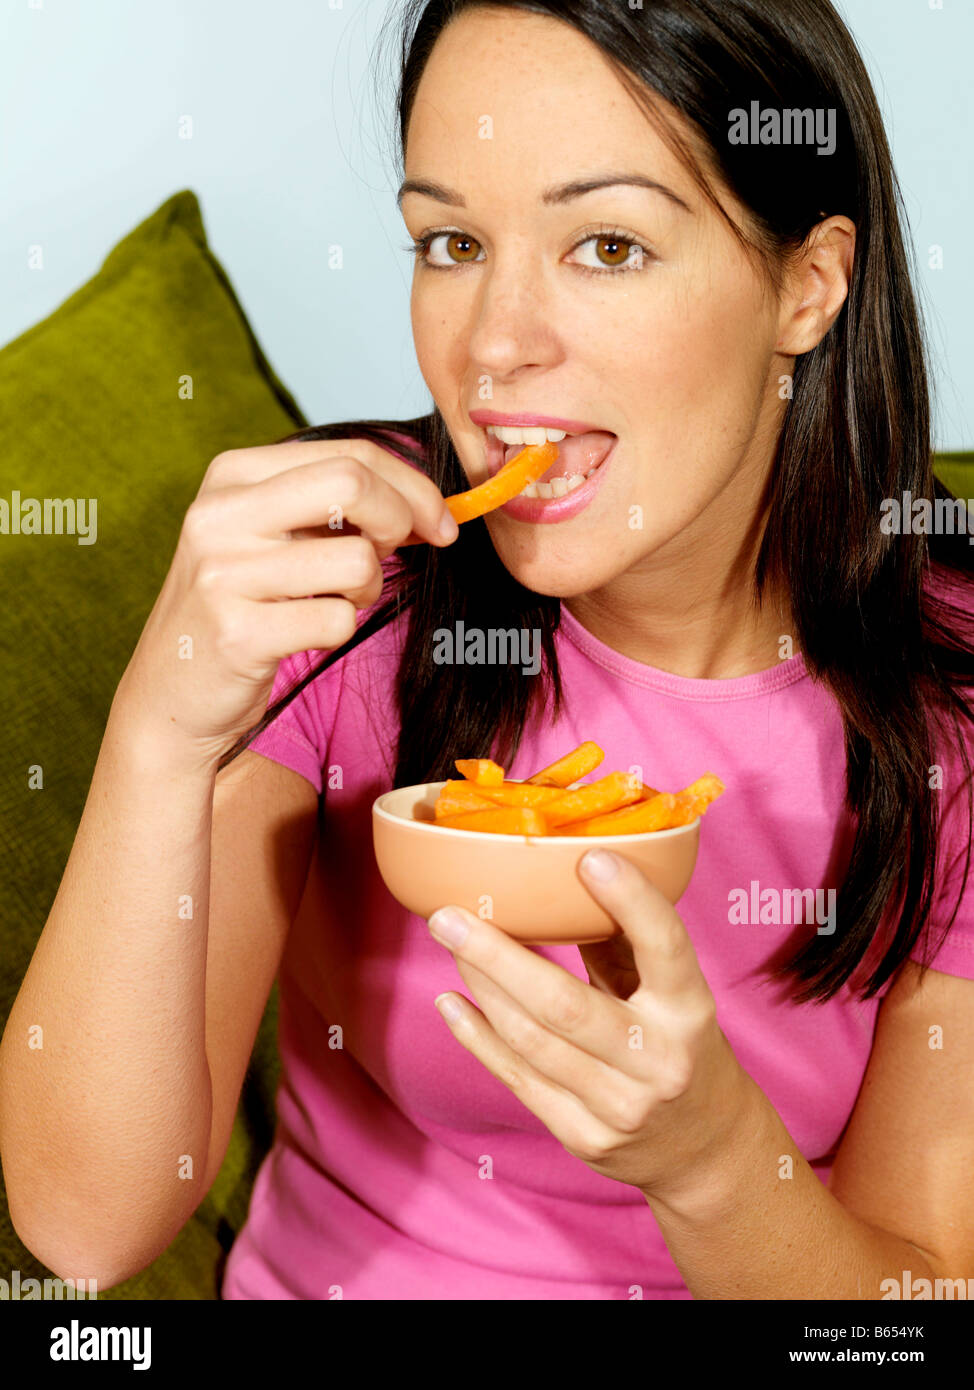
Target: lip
551,422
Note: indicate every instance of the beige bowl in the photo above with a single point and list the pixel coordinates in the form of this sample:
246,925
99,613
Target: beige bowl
528,885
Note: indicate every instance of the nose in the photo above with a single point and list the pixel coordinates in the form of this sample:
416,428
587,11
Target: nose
514,321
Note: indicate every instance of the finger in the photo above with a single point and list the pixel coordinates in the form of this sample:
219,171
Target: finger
662,950
247,467
341,565
322,493
267,632
607,1092
550,995
559,1111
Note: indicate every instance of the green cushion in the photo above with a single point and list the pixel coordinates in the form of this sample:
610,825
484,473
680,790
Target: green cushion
123,394
957,471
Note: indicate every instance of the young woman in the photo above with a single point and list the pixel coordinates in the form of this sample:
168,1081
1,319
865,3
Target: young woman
613,239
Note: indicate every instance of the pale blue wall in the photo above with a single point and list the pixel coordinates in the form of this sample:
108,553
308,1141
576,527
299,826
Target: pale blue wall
291,152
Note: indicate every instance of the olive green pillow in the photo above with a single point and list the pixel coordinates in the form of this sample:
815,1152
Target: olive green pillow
122,395
957,472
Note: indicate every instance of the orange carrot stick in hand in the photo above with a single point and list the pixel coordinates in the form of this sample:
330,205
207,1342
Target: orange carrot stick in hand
526,467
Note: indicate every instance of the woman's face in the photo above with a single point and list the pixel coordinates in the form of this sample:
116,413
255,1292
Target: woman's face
675,353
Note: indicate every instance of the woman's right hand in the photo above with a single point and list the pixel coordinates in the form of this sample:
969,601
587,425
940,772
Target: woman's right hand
257,534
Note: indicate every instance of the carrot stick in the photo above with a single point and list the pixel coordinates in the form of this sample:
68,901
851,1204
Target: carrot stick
526,467
522,794
457,797
630,820
571,768
598,798
687,808
480,770
707,786
502,820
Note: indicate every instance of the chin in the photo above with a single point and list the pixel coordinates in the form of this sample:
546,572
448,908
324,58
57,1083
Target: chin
554,579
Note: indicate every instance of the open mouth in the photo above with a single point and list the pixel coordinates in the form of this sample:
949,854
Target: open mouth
579,456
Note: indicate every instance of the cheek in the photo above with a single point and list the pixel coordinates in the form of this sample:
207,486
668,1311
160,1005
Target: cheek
435,335
698,363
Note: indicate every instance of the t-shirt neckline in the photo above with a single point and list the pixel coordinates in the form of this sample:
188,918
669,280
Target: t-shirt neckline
784,673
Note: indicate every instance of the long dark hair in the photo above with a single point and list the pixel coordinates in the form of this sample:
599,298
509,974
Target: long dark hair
857,430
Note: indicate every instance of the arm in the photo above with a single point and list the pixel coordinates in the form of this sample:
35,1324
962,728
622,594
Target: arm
106,1129
94,1125
896,1202
96,1108
633,1075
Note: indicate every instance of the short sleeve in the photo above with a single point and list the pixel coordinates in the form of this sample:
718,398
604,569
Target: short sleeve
956,955
299,736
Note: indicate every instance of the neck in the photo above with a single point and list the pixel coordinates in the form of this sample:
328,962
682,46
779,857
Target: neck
693,614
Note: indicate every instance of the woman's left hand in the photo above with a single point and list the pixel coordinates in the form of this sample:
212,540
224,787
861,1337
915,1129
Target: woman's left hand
629,1072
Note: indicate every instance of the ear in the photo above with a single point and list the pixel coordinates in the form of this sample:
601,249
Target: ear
817,286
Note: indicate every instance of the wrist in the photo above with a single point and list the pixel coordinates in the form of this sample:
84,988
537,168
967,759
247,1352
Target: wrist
743,1133
153,749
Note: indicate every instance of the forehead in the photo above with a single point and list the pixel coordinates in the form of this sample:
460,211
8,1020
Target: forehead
553,100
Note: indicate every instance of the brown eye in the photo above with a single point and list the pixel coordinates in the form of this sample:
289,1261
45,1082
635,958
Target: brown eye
460,250
617,250
457,242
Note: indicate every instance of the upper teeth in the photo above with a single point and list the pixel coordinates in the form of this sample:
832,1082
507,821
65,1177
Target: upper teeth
518,434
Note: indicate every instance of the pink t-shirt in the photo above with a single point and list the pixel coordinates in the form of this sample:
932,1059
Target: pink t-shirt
375,1186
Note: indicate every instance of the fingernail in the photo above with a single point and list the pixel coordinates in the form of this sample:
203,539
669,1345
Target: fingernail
448,1007
600,864
449,926
448,530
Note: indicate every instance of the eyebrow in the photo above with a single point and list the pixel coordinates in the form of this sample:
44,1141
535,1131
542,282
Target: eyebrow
561,193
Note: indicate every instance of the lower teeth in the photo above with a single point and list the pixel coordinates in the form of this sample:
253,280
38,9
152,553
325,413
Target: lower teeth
557,487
